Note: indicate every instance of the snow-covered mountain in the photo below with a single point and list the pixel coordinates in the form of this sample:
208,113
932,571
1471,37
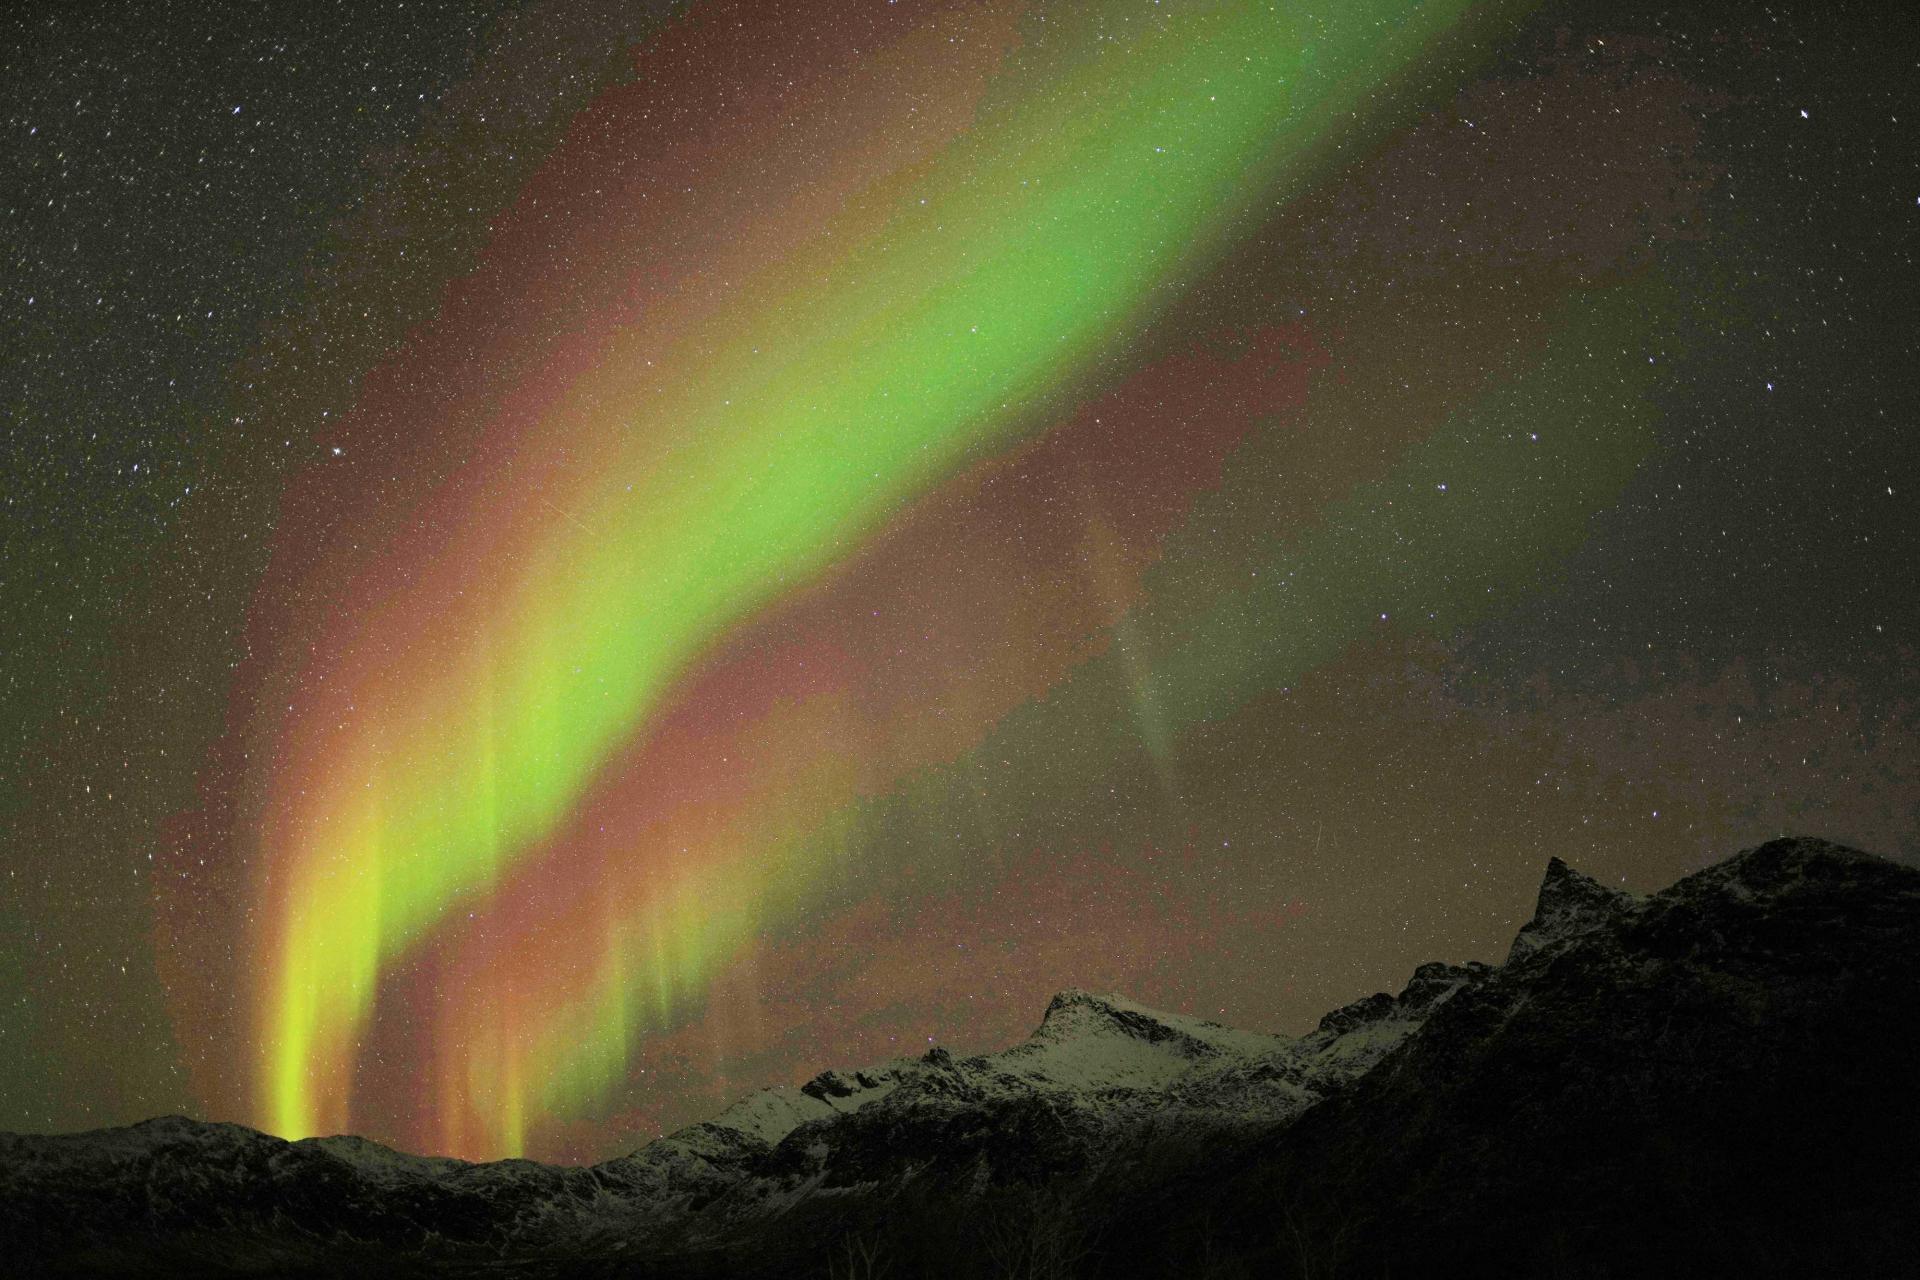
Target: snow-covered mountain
1640,1075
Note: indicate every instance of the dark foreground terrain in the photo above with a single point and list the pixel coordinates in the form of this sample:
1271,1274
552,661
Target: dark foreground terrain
1719,1079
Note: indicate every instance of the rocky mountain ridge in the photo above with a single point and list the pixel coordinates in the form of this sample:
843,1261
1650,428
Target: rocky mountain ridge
1773,999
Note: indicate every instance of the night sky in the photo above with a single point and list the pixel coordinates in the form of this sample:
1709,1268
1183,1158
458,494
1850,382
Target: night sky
565,561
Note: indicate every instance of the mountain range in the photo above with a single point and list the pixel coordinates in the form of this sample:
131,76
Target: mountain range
1716,1079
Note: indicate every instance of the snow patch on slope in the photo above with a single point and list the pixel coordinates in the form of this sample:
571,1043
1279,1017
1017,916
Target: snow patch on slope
1100,1042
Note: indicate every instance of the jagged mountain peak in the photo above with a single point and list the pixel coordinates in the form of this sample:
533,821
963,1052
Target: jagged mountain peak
1430,984
1570,903
1086,1043
1078,1015
1074,1011
1567,894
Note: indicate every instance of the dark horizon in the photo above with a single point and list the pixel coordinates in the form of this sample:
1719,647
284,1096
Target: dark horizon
1710,1079
1556,876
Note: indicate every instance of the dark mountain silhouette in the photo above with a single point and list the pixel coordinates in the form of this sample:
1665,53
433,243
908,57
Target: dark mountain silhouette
1717,1079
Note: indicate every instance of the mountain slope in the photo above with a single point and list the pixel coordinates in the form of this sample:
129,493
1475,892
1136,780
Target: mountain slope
1714,1080
1715,1076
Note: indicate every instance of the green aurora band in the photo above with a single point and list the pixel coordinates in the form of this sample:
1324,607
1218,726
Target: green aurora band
1111,161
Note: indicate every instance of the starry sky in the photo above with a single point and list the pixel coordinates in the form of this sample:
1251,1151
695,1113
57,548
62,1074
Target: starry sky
567,560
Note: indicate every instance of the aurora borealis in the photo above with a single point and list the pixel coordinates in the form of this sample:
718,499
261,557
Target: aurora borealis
828,521
472,691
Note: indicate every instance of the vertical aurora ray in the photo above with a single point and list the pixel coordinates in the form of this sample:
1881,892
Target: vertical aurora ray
470,679
1314,593
683,847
